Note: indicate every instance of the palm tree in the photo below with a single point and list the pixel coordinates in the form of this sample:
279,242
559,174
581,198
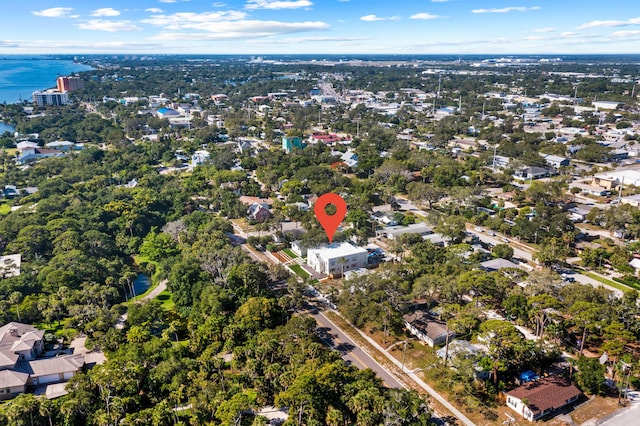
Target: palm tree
15,298
342,261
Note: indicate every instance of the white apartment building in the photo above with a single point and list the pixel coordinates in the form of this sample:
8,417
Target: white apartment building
50,97
329,260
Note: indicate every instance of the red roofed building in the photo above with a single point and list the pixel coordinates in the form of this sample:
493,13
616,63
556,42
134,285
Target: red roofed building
326,138
542,397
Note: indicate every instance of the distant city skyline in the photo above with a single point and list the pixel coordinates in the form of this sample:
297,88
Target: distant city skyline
320,26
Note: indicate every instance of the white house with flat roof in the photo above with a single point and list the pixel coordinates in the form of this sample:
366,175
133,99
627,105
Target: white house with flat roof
337,258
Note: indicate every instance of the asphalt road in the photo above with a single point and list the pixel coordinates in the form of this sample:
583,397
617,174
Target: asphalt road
350,351
528,255
625,417
498,239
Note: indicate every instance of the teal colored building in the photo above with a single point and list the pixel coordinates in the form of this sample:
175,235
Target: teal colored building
291,142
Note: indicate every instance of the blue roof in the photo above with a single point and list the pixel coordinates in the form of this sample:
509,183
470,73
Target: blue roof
527,376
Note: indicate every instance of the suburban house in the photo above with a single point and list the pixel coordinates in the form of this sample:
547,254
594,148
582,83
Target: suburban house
427,328
613,179
542,397
533,172
52,370
459,348
555,161
61,145
29,155
258,212
199,158
12,384
289,143
500,161
384,218
20,347
10,265
22,340
167,112
325,138
497,264
334,259
299,248
393,232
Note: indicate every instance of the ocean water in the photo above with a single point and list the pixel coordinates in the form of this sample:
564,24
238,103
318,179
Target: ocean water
6,128
21,76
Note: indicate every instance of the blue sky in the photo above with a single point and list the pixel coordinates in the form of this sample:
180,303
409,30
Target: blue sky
320,26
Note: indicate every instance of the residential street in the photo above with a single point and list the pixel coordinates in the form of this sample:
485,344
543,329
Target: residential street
625,417
334,337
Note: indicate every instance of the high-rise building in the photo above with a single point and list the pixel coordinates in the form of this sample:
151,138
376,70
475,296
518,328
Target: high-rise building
69,84
50,97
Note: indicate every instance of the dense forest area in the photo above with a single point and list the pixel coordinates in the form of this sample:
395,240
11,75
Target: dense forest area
228,346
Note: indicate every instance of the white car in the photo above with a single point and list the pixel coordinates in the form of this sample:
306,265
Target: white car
491,233
478,229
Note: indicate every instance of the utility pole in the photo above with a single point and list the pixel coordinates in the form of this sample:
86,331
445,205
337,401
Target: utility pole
620,191
495,147
404,354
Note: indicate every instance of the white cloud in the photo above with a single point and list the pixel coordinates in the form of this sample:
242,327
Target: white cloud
277,4
153,10
536,38
105,11
544,30
507,9
570,34
224,25
243,29
424,15
373,18
290,40
218,4
439,1
191,20
54,12
610,23
625,34
167,1
109,26
53,46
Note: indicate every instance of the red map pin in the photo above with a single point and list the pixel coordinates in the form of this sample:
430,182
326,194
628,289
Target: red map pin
330,222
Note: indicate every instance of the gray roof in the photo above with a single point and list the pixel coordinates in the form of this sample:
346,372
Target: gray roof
496,264
458,346
8,359
24,338
45,367
11,379
426,324
416,228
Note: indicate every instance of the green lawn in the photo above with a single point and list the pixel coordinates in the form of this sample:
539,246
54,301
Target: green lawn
290,253
166,301
611,283
299,271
